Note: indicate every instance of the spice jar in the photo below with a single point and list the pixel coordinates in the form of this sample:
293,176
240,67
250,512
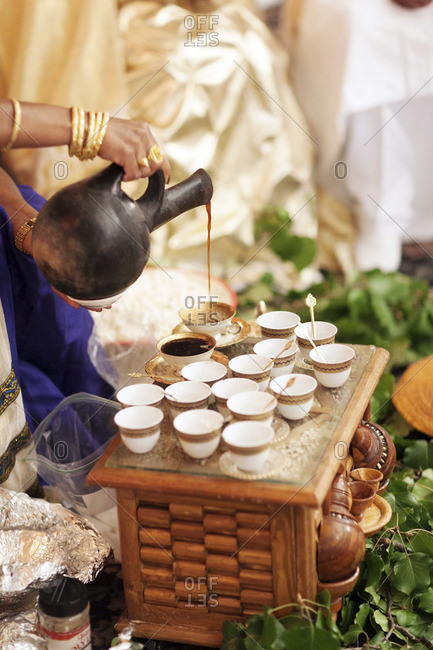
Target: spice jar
64,615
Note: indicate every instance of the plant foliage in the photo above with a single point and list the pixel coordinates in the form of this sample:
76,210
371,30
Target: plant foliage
391,606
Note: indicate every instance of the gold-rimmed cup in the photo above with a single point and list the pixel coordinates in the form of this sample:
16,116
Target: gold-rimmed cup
332,364
180,350
139,427
209,318
251,406
324,333
226,388
248,444
278,324
284,359
294,394
252,366
187,395
140,394
199,431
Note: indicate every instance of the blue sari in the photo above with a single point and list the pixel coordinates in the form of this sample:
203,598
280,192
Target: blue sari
48,338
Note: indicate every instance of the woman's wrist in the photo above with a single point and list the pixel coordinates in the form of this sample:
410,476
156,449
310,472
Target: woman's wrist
41,125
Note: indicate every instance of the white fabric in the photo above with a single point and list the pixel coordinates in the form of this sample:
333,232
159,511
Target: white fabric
363,73
12,422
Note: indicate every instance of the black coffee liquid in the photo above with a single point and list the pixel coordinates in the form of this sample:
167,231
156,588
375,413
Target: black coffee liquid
186,347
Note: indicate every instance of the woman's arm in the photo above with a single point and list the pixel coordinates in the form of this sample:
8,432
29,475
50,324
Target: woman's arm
42,125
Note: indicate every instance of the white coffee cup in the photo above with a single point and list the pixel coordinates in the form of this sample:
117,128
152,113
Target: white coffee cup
139,427
295,401
257,407
187,395
199,431
226,388
248,443
140,395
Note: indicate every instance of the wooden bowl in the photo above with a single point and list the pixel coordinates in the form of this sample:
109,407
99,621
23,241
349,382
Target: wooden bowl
342,587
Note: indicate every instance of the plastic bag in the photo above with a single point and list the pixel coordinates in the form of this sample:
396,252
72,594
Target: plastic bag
68,442
120,343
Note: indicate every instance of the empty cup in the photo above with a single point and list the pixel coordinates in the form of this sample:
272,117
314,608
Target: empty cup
332,364
278,324
252,366
205,371
199,431
362,497
140,395
187,395
294,401
248,443
259,406
271,348
226,388
139,427
325,333
369,475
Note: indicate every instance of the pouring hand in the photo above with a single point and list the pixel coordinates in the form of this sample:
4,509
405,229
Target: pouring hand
128,141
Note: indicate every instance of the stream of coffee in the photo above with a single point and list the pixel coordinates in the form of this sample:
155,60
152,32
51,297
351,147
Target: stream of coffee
209,226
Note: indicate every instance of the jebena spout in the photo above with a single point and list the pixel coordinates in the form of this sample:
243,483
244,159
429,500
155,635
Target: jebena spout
191,193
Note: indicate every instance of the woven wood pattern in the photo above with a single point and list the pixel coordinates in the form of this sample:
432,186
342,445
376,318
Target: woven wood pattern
218,560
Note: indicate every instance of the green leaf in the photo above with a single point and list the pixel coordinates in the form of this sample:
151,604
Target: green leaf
381,403
272,632
310,638
293,620
381,620
293,248
426,601
422,542
419,455
411,573
233,636
384,315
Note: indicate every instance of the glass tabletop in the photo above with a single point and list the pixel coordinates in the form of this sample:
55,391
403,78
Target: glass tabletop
298,454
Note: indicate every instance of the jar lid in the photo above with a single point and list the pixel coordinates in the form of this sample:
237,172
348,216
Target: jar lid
65,598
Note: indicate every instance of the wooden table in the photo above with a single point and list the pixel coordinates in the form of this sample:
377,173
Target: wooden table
199,547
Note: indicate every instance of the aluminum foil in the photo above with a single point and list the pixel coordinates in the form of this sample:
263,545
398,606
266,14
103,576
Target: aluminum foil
41,540
21,633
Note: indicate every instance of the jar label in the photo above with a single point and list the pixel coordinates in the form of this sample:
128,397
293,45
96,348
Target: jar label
73,640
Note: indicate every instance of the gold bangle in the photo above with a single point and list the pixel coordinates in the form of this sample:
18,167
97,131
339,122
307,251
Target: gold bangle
77,133
16,125
101,128
22,233
87,145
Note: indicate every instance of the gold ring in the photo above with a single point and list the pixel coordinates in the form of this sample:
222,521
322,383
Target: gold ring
155,154
143,162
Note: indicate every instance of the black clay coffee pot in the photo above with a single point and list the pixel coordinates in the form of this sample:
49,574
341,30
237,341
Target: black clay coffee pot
91,241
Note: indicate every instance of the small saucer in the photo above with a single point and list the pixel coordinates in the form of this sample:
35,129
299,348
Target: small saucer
273,466
160,371
225,338
281,429
376,516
